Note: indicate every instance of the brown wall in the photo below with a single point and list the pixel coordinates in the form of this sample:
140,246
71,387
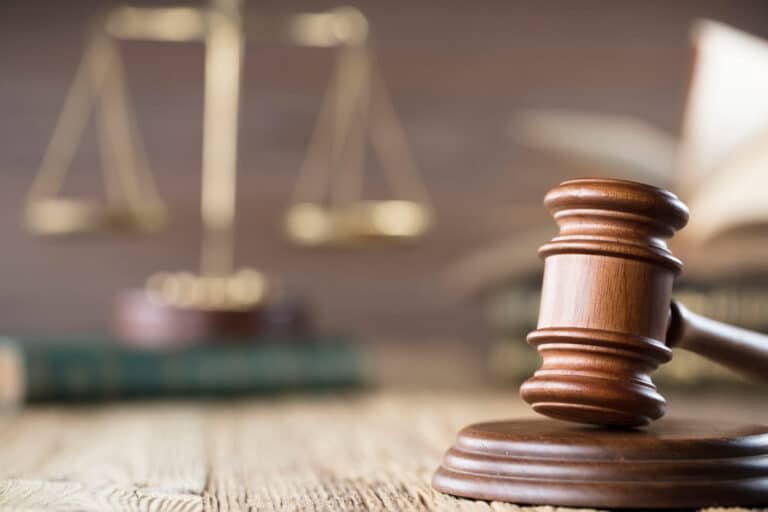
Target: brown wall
458,72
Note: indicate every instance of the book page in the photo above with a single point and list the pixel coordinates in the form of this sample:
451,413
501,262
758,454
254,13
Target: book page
727,105
608,145
733,196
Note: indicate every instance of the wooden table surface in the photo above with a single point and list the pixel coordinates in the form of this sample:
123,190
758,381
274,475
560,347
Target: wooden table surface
367,451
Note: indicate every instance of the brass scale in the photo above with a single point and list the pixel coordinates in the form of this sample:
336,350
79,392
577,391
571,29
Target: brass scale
327,208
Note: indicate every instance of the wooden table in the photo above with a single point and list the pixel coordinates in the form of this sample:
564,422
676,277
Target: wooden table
366,451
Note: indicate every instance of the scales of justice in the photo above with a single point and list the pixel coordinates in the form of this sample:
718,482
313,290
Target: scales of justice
327,210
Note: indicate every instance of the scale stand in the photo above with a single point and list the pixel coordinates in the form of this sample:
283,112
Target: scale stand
220,302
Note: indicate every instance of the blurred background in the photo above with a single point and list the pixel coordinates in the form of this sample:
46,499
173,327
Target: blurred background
459,75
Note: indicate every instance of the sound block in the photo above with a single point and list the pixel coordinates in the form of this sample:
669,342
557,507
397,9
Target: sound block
674,463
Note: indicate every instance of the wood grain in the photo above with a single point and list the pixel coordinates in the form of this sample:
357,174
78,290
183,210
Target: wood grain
322,453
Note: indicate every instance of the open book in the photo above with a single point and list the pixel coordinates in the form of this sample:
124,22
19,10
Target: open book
718,166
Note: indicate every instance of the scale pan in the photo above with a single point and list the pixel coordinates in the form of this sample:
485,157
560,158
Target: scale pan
361,222
61,216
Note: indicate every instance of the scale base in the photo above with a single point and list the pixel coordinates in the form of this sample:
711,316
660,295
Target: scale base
674,463
142,320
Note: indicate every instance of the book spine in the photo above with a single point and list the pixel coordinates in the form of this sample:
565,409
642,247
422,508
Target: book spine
104,371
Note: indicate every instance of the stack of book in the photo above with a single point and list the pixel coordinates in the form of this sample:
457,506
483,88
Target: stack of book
80,369
287,355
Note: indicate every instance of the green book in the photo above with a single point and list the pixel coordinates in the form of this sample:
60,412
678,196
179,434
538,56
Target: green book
66,369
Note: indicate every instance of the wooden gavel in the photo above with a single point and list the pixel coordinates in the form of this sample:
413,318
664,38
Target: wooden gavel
607,318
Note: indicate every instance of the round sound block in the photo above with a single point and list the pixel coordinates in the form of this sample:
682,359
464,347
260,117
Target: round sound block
674,463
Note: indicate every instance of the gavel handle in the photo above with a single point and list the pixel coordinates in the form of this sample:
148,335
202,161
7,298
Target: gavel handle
741,350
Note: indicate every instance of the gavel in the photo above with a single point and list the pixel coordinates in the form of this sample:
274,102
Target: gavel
607,318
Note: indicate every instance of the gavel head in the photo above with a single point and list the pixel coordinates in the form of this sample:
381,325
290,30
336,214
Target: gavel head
605,302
